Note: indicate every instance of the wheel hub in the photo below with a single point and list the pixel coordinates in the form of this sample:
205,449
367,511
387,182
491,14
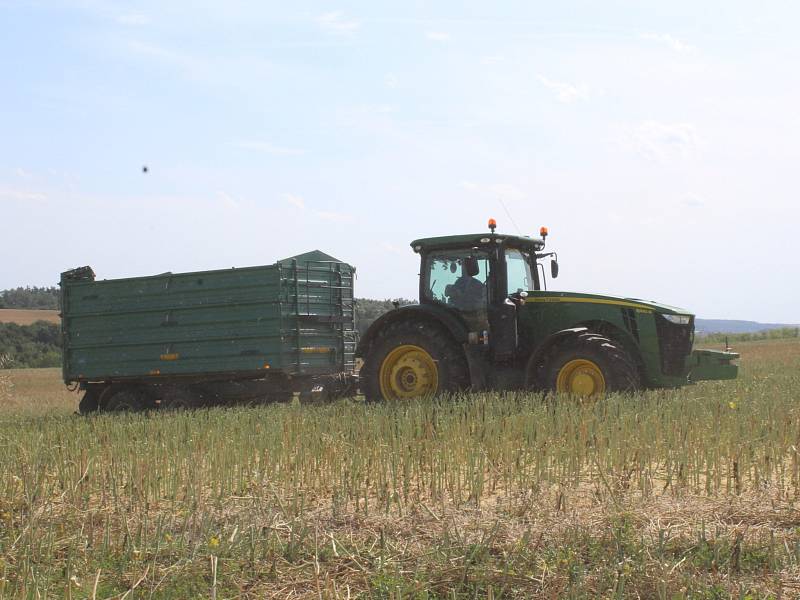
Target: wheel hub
581,377
408,372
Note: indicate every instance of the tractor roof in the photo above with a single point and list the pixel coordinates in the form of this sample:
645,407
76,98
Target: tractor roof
477,239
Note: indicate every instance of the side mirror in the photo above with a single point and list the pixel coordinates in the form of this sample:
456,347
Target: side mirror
553,269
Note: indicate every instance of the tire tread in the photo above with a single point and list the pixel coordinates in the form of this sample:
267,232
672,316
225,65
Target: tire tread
433,338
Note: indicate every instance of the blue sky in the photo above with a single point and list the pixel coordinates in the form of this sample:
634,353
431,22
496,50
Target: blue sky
656,140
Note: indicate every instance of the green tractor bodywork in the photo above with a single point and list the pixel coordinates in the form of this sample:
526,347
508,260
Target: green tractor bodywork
663,348
486,321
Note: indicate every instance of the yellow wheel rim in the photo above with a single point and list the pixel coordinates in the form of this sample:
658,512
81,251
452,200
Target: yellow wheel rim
581,377
408,372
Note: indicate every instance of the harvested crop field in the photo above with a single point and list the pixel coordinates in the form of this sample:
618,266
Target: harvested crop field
685,494
22,316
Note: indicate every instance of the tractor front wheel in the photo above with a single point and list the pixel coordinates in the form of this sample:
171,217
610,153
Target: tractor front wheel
413,360
589,365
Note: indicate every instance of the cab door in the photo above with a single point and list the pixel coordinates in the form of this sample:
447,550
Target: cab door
516,277
461,280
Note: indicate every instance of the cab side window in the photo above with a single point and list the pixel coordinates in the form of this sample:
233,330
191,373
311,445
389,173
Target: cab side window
458,280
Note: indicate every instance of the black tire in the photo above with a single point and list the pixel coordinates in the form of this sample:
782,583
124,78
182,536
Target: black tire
310,399
318,395
127,399
90,403
277,390
182,398
451,364
619,370
281,397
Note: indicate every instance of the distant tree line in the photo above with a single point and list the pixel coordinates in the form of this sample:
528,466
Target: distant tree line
26,346
30,297
769,334
367,311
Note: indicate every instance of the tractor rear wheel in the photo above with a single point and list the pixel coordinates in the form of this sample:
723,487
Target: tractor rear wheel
588,365
412,359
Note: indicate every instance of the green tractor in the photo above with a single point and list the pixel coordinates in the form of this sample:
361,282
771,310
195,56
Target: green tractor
485,321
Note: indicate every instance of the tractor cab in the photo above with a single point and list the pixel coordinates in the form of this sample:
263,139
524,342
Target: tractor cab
481,277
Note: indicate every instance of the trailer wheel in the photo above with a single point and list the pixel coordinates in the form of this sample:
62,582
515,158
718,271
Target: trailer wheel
281,397
127,399
413,359
589,365
90,402
183,398
317,395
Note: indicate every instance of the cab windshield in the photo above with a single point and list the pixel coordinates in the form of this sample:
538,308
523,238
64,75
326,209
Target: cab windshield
519,273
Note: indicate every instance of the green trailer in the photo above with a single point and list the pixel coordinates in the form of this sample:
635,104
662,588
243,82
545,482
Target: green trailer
210,337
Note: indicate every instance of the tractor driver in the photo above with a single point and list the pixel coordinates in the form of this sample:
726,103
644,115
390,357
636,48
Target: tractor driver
468,293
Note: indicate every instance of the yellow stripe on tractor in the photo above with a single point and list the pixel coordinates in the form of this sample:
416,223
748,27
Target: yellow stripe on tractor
639,307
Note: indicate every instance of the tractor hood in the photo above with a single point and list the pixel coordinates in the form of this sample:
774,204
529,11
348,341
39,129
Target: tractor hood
575,297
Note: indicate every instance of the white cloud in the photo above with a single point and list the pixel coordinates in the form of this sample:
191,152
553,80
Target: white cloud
694,200
189,64
668,40
438,36
336,23
659,141
227,200
296,201
237,71
392,249
491,60
267,147
333,216
493,191
22,173
391,81
133,19
566,92
300,203
7,193
377,109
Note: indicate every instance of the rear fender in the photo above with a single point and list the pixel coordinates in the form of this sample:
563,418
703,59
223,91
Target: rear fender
435,315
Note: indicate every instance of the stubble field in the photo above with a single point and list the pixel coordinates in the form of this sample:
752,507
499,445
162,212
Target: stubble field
685,494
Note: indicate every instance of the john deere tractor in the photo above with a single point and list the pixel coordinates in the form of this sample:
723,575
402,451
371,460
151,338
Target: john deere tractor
485,321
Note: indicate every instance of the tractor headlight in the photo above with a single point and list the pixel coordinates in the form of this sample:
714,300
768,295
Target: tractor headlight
678,319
